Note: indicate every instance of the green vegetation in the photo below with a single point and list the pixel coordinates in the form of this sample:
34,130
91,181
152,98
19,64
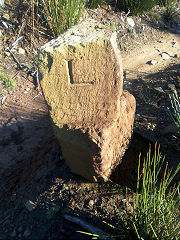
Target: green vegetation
156,205
155,208
53,17
154,211
7,81
59,15
56,16
174,111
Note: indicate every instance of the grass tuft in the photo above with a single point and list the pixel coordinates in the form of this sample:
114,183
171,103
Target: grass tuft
59,15
156,205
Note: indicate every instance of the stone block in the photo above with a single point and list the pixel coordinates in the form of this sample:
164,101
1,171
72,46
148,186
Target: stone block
81,76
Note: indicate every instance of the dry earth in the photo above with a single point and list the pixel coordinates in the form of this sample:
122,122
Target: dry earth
31,164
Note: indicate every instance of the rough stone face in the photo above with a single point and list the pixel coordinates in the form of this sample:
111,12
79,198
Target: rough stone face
82,77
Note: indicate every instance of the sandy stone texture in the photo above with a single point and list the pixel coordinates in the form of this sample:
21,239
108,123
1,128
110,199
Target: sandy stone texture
81,76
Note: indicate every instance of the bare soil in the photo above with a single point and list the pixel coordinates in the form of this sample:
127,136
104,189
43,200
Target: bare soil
31,163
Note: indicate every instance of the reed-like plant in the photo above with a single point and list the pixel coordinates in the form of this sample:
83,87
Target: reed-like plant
60,14
154,212
156,206
174,111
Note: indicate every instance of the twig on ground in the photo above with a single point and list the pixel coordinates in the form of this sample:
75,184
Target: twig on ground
88,227
15,42
15,59
36,76
3,99
37,95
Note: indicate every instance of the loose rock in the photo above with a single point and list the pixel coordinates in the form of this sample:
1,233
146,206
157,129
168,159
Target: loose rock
131,22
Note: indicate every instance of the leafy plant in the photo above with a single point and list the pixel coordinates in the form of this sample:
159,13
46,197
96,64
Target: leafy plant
7,81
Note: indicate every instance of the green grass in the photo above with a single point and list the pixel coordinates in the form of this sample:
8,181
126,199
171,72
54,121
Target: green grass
59,15
154,211
7,80
156,206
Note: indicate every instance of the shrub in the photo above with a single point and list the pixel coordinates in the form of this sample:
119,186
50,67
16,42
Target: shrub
136,7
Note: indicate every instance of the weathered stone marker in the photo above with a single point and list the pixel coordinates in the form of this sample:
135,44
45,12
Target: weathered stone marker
82,81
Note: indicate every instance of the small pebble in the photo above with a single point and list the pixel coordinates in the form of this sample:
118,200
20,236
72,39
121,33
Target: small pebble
131,22
91,203
165,56
159,89
21,51
176,55
27,90
30,205
153,62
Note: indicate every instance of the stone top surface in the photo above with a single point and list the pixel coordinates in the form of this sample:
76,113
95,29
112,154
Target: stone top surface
87,31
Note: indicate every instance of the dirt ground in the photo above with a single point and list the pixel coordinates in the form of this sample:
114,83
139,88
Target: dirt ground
32,167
